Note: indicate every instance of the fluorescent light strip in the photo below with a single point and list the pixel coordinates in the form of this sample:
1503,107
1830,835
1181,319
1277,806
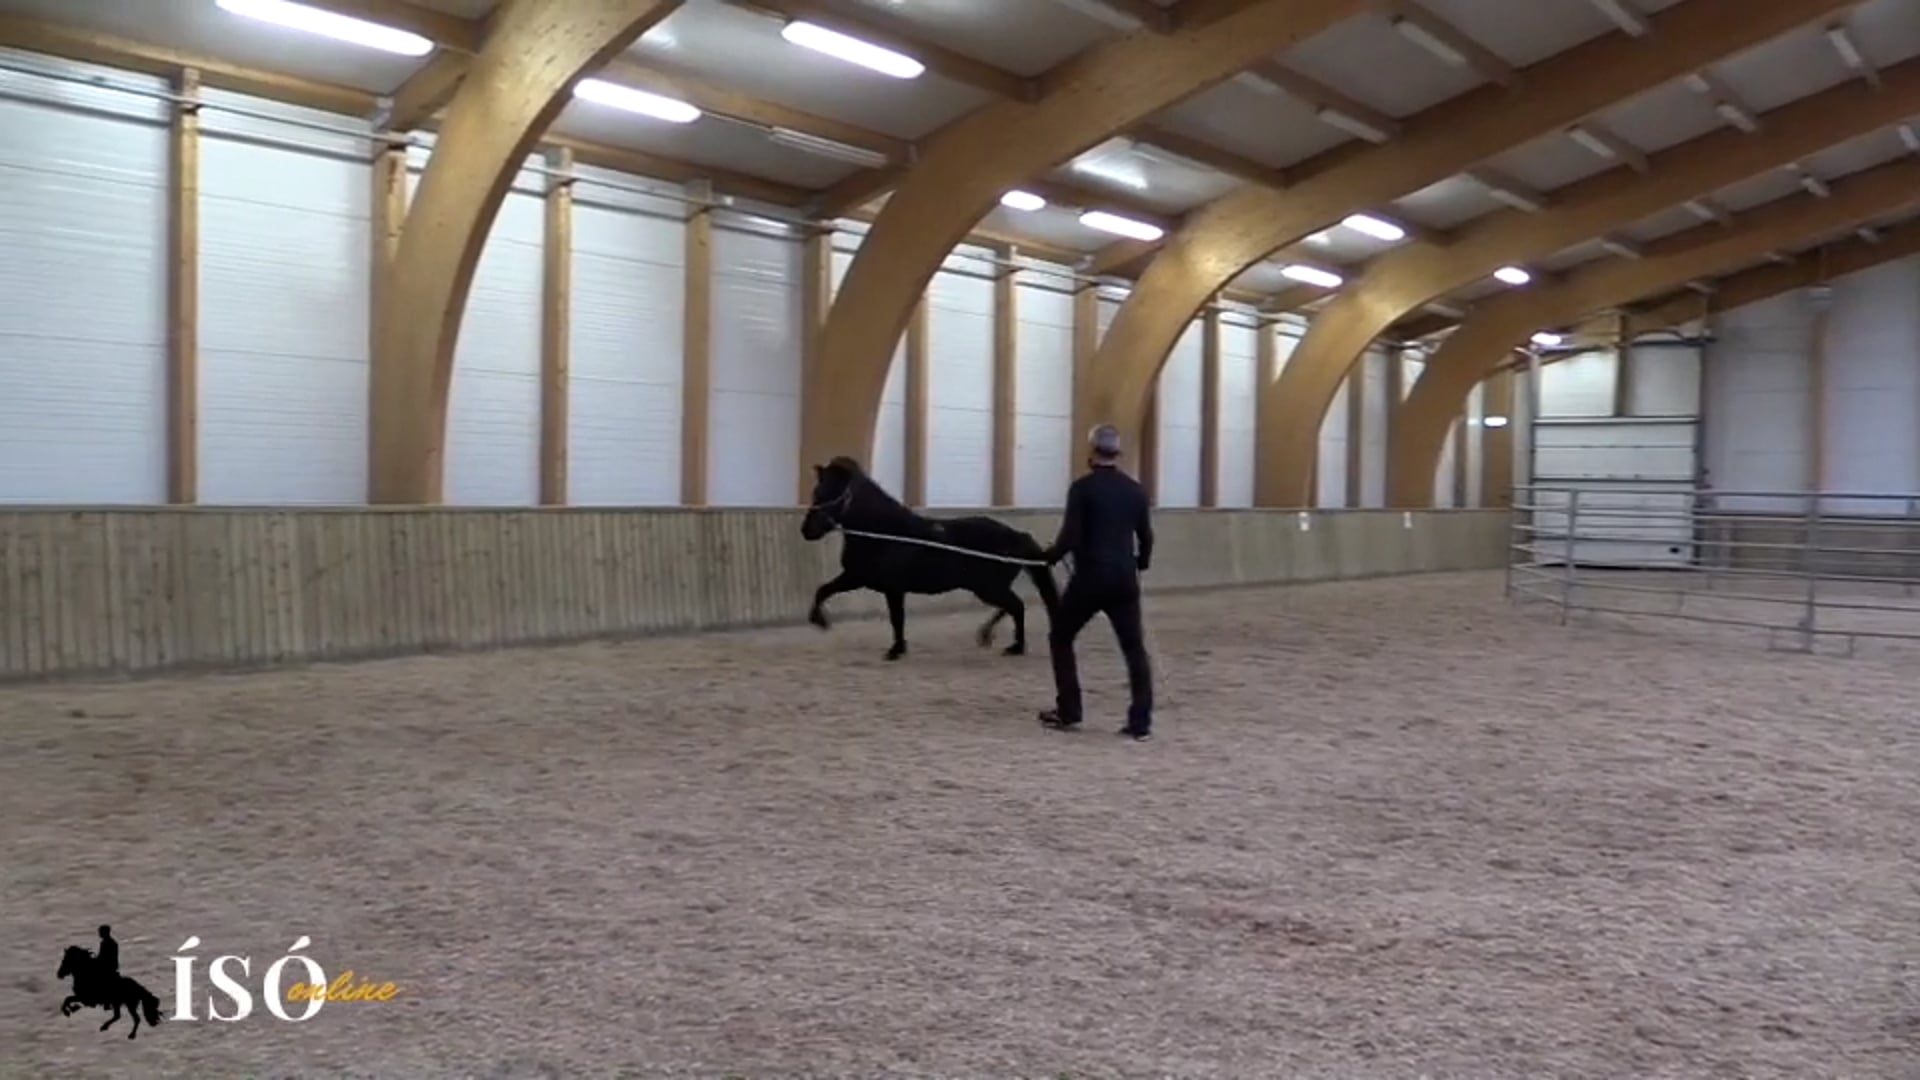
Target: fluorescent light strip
628,99
1024,201
1868,233
1628,20
1843,44
1815,186
1312,275
1512,275
1493,421
330,24
1517,200
1621,248
1698,84
814,144
1737,116
1547,339
1372,226
1122,226
1700,210
1592,142
1910,137
1426,39
1353,125
852,50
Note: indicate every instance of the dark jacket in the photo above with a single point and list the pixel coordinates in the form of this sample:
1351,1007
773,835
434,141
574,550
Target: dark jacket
1106,513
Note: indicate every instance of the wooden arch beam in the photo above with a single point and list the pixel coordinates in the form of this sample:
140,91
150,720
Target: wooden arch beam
1766,282
518,83
965,168
1479,345
1222,240
1405,279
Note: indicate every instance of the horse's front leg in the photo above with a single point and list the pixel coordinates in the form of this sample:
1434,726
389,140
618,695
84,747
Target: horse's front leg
984,636
70,1006
897,615
817,614
111,1019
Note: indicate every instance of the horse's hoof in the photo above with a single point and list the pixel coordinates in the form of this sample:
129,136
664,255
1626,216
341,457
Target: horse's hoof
818,619
984,638
896,653
1015,649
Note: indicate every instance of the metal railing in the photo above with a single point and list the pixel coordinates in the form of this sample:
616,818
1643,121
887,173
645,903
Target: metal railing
1803,567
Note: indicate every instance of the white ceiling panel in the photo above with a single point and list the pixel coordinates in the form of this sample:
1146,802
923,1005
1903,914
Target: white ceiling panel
1264,278
1666,116
1447,204
1376,66
1138,171
1267,126
1026,37
1524,34
1049,226
1758,191
198,26
707,141
1665,223
1552,162
1886,31
466,9
1783,69
744,51
1578,255
1854,155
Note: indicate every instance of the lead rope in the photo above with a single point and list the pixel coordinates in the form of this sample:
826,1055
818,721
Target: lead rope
841,501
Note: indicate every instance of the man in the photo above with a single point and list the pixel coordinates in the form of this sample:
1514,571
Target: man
107,964
1106,512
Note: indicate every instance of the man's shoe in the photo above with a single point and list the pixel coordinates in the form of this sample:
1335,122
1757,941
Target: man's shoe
1052,718
1135,735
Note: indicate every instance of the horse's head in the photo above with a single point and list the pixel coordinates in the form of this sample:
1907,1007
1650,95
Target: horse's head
834,486
73,961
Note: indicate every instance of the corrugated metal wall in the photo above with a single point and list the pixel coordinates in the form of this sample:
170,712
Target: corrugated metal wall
102,591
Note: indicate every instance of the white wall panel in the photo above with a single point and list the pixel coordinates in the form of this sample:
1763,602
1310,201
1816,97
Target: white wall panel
1476,444
1663,380
960,387
493,406
1331,468
1376,416
83,213
1239,403
1179,415
628,337
755,421
1873,388
284,307
1043,389
889,465
1581,385
1756,400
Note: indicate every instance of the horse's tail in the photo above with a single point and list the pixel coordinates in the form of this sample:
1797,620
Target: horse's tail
149,1004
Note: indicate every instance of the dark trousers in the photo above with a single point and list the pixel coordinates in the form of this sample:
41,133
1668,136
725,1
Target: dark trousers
1120,603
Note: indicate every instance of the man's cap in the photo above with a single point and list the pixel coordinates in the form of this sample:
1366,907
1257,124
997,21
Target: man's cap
1104,440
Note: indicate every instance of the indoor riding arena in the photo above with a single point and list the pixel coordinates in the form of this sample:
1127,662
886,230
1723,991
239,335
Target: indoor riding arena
429,427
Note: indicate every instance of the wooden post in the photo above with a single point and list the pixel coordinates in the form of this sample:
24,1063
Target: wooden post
1356,432
389,206
816,299
556,328
916,420
1396,394
1821,296
1622,367
1148,463
1006,375
696,356
183,294
1210,409
1460,472
1086,343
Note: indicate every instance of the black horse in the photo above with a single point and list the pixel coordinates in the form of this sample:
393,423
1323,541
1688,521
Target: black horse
105,990
846,498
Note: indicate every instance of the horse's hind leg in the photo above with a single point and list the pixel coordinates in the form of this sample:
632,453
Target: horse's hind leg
1007,602
111,1019
985,634
897,615
134,1011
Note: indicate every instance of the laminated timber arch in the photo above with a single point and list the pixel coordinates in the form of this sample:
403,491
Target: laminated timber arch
1224,239
1479,345
1408,277
963,171
517,84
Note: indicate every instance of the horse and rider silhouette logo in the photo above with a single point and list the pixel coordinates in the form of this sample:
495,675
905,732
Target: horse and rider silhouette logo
97,983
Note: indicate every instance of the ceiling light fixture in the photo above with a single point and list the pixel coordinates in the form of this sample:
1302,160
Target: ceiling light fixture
628,99
1546,339
1493,421
1815,186
1737,116
1375,227
1428,40
852,50
833,148
1627,19
1024,201
1592,142
1312,275
1843,44
1122,226
1353,125
1512,275
330,24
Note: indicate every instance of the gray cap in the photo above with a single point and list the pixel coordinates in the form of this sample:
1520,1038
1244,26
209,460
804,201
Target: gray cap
1104,440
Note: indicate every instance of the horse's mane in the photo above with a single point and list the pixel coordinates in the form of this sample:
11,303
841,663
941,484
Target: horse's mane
877,499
